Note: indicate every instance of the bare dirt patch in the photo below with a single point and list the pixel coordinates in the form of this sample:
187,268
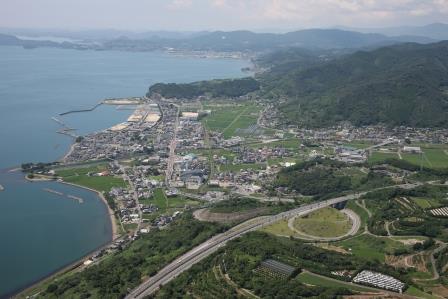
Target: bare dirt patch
206,215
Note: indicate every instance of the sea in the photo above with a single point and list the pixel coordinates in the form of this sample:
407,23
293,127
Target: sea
43,232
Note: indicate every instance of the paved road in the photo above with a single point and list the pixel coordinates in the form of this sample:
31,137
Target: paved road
210,246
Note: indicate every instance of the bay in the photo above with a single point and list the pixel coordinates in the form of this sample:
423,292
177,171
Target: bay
42,232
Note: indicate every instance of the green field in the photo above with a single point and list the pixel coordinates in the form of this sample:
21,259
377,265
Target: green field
370,247
317,280
279,228
326,222
168,204
66,172
103,183
79,176
380,156
292,143
238,167
435,156
413,291
426,203
359,144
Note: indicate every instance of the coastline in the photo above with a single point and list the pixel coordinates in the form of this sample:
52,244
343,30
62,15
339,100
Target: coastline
113,220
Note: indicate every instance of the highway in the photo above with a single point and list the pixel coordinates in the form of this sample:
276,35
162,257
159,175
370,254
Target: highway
185,261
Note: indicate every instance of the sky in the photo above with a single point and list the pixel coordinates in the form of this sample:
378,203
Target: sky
193,15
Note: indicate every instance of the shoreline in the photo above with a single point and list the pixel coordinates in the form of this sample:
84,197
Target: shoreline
78,262
113,220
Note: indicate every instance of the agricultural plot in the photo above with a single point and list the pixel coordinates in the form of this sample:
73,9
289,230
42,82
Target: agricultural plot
442,212
434,156
381,156
425,203
275,269
318,280
168,204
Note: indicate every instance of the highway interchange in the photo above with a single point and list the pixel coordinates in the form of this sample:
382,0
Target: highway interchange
195,255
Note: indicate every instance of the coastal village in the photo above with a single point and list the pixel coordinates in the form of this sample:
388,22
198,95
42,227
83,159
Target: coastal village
171,156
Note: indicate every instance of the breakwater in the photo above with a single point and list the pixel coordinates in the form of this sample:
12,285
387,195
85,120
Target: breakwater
78,199
82,110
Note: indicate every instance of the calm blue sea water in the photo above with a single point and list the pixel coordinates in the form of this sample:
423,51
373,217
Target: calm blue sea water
41,232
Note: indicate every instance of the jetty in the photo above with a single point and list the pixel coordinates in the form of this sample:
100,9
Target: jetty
79,199
82,110
53,191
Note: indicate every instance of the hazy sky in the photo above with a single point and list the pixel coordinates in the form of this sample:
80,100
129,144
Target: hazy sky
218,14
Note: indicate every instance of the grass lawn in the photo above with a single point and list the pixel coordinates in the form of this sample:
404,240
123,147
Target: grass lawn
66,172
103,183
279,228
326,222
310,278
370,247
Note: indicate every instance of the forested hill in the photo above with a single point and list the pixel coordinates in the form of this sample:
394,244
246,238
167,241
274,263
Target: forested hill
405,84
215,88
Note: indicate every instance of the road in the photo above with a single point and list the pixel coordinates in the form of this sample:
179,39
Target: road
170,166
134,195
210,246
356,224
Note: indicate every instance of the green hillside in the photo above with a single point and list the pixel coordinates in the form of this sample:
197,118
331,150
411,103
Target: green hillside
398,85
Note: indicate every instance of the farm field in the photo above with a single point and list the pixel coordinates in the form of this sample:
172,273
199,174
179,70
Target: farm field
237,167
380,156
326,222
435,156
229,119
426,203
164,203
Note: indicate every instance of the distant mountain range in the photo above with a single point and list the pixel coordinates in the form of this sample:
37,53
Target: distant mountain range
241,41
403,84
436,31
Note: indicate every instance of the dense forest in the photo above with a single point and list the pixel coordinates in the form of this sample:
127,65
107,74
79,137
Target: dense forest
242,256
215,88
404,84
325,177
113,277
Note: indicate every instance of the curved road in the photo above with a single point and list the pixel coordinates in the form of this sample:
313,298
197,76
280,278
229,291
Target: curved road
210,246
356,223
